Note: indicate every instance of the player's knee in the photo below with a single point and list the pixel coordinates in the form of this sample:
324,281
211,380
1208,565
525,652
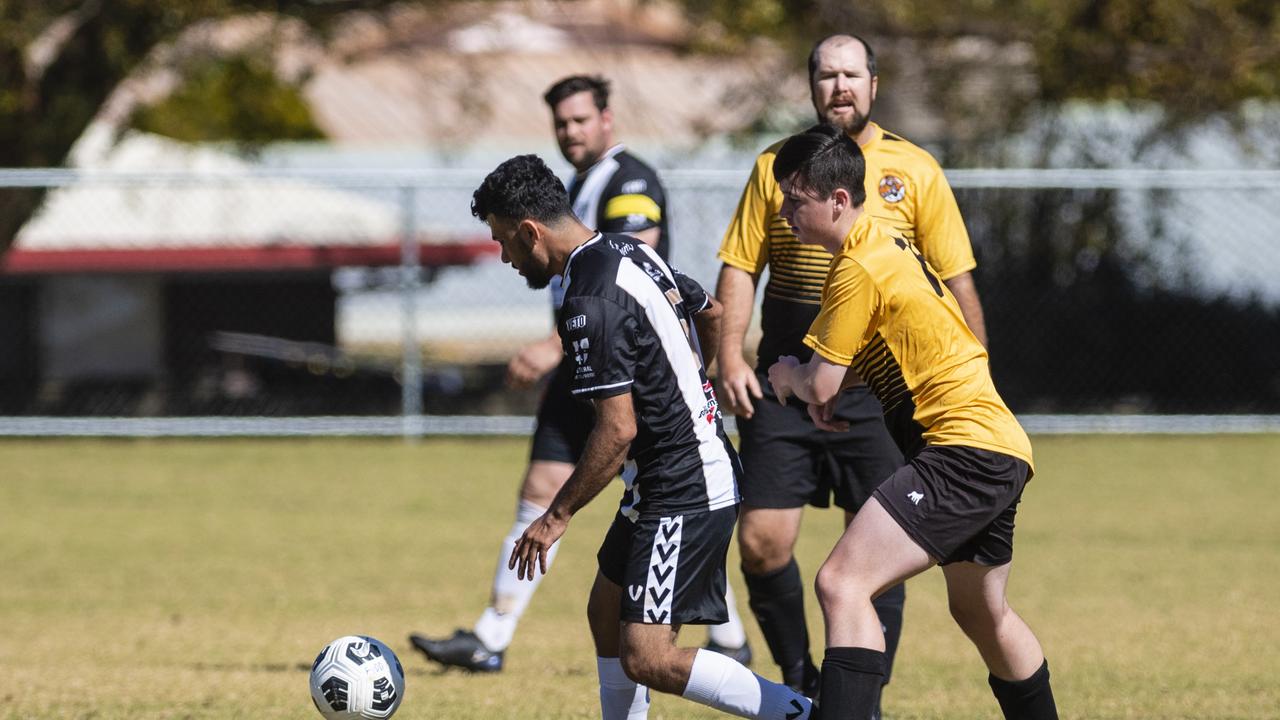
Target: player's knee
763,548
641,667
834,587
603,622
542,481
594,608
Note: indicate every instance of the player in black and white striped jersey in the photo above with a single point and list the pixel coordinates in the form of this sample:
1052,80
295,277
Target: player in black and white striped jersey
611,190
628,324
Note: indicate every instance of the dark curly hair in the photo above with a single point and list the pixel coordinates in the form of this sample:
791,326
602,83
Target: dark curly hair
522,188
822,159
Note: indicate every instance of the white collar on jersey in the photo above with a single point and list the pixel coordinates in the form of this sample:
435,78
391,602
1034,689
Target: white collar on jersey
611,152
565,279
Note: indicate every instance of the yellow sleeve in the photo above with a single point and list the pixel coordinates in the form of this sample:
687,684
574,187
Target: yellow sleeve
845,324
940,231
746,242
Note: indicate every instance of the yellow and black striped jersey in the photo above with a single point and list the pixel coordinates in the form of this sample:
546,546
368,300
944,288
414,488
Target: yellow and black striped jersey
905,188
888,316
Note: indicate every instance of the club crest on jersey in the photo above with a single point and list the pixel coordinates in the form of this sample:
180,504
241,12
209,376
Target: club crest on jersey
583,371
580,348
577,322
634,187
892,189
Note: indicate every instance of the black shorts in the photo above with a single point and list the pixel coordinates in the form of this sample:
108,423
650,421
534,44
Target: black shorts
670,569
958,503
564,422
788,462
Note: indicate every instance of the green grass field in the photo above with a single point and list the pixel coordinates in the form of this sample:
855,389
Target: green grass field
198,579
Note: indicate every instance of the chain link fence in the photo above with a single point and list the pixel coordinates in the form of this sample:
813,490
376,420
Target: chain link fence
255,302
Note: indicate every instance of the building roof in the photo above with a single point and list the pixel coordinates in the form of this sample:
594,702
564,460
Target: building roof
153,204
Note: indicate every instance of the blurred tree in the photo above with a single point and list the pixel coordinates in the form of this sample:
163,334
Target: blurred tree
235,99
1194,57
60,59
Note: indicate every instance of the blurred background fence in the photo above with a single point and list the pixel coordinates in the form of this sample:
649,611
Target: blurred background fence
249,301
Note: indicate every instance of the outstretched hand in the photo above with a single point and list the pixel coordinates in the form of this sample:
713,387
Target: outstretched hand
532,547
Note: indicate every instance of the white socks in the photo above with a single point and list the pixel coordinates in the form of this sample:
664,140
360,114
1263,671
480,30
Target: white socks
730,634
620,697
510,595
725,685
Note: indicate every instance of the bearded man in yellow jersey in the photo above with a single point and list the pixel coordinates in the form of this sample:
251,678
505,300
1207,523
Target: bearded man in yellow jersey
888,319
787,462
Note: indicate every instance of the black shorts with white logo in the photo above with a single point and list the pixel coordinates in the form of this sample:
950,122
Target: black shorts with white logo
564,422
671,569
787,462
958,503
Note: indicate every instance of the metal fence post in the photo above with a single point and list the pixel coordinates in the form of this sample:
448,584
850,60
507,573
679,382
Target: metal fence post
411,357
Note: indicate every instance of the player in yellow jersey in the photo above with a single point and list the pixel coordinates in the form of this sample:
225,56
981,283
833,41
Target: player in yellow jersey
787,462
888,319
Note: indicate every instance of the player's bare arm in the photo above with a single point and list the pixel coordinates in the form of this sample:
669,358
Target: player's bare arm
817,381
534,361
966,292
823,414
736,290
708,322
605,452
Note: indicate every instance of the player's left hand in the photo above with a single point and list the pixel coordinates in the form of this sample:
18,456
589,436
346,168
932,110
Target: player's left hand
823,416
780,376
532,547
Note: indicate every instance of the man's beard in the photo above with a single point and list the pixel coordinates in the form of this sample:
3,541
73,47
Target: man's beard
537,278
586,161
852,124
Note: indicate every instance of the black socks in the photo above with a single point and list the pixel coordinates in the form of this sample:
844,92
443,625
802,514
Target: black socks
851,682
777,601
1030,699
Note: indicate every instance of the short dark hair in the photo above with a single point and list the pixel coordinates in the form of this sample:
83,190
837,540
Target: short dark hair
574,84
522,188
813,54
821,159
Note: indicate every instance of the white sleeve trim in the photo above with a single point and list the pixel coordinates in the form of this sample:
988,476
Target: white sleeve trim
602,387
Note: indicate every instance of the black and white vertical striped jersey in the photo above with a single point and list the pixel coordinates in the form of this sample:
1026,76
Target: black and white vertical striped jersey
627,325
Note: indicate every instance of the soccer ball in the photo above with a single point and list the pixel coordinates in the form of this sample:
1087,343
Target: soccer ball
356,676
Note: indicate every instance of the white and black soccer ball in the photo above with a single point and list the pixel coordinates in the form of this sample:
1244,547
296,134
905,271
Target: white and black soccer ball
357,676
